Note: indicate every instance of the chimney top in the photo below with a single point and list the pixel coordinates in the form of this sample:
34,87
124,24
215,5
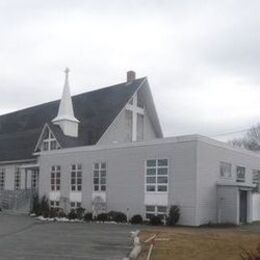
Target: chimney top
130,76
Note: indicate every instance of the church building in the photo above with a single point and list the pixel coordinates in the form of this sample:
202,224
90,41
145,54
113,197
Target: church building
104,150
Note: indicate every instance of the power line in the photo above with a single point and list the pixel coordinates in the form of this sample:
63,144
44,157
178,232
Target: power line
233,132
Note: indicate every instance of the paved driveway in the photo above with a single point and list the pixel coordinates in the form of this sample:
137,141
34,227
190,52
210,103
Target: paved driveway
22,237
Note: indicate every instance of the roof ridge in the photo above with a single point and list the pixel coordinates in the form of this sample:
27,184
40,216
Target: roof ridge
53,101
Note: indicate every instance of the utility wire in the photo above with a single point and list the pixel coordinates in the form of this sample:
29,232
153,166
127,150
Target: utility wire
233,132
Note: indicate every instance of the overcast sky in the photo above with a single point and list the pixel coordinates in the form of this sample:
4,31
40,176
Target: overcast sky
202,58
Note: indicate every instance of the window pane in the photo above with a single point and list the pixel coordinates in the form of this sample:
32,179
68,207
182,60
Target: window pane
163,162
150,188
151,171
103,181
150,180
150,208
162,188
103,165
162,179
96,180
151,163
161,209
96,187
103,173
96,174
103,187
162,171
96,166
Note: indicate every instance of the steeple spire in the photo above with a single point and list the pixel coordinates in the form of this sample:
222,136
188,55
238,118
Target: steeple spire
65,118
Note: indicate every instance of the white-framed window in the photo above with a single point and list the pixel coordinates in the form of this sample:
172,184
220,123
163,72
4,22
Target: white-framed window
76,177
75,204
49,142
2,178
256,180
156,175
225,170
35,179
99,176
55,177
155,210
17,179
54,204
241,174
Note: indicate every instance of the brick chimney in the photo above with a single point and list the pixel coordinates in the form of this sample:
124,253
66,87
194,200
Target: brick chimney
130,76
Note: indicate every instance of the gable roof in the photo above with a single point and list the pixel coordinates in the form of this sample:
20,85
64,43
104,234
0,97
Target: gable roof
96,110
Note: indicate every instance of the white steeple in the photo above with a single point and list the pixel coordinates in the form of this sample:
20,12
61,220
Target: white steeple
65,118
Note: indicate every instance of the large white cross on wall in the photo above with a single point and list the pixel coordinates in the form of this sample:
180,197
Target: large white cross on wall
135,111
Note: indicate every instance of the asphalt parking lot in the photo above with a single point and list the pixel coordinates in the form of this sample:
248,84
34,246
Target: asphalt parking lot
22,237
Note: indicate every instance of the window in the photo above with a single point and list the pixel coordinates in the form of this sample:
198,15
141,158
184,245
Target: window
55,178
152,210
99,177
17,179
225,170
54,204
75,205
2,178
156,178
241,174
49,141
35,179
76,177
256,180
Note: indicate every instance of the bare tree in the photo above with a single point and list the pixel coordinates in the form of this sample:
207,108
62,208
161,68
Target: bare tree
250,141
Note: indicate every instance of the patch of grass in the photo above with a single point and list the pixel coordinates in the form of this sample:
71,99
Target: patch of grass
199,243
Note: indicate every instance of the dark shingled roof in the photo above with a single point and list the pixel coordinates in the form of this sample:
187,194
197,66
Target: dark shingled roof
96,110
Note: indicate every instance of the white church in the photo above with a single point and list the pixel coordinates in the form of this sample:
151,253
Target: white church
104,150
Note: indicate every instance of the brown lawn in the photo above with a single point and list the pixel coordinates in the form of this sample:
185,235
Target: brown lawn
199,243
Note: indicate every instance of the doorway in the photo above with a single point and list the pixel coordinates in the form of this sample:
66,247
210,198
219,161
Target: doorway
242,206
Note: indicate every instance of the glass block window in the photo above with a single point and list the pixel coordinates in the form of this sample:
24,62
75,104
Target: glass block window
17,179
225,170
156,177
76,177
75,205
241,174
152,210
2,178
55,177
54,204
99,176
